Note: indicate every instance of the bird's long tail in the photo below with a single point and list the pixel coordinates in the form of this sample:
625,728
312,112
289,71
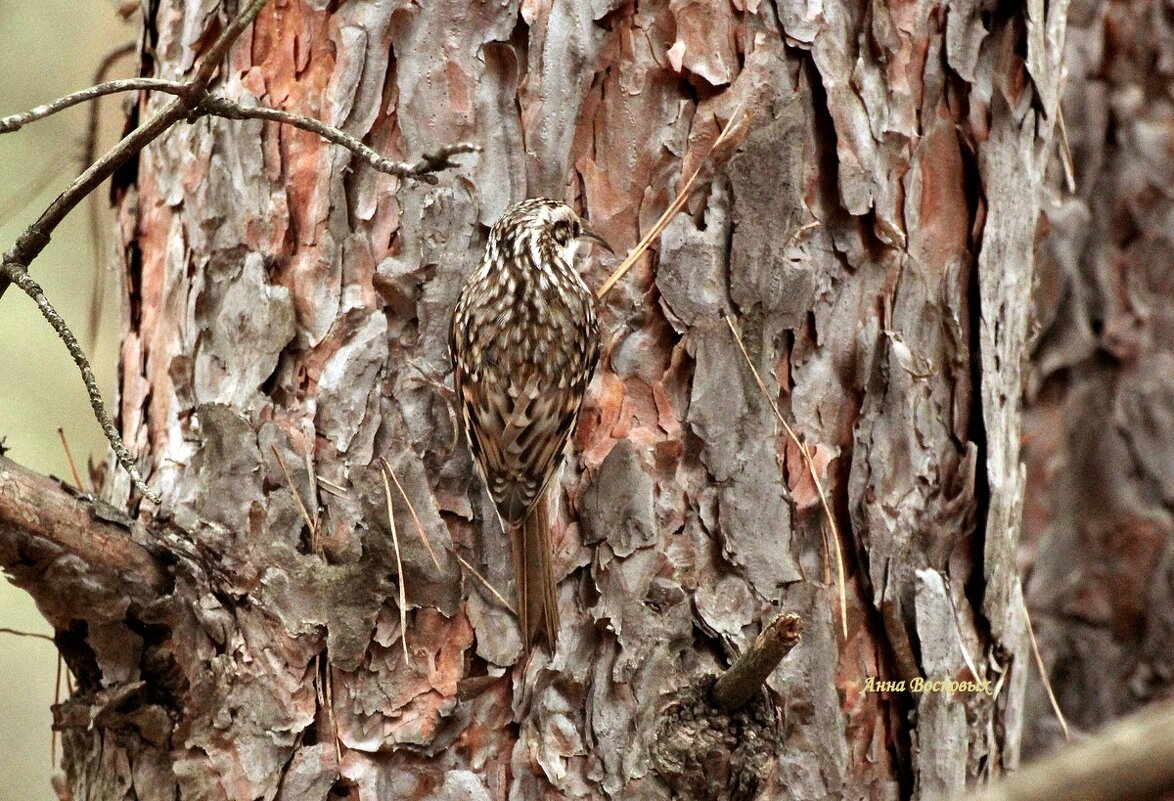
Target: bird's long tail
534,576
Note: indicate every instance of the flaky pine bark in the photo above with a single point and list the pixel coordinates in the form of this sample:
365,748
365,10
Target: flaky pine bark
1101,412
286,310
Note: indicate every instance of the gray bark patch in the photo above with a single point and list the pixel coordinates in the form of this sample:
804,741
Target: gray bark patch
618,505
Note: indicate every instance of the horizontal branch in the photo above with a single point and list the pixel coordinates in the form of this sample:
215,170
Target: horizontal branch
441,159
1132,759
64,550
15,122
213,105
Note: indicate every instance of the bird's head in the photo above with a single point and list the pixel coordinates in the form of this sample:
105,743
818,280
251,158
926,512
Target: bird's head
541,223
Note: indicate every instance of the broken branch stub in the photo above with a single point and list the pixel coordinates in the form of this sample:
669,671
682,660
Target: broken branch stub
718,738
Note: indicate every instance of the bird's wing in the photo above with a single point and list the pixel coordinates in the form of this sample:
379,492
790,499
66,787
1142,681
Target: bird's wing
518,431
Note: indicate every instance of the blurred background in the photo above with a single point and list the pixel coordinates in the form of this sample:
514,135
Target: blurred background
51,47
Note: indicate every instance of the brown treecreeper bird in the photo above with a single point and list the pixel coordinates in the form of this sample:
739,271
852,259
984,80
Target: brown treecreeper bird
524,343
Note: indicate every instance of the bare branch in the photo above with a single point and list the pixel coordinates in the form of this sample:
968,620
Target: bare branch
34,239
17,275
47,531
191,101
1132,759
15,122
421,170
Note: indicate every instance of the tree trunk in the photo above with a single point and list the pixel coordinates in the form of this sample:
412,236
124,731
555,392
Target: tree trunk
285,322
1101,421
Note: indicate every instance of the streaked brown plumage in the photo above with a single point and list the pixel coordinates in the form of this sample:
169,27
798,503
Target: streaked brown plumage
524,343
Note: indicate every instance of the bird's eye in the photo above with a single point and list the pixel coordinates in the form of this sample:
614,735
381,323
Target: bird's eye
562,233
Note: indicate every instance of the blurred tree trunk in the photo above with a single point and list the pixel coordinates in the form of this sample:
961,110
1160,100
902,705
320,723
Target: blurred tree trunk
287,306
1100,544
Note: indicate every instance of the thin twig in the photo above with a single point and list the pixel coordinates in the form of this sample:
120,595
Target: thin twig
211,62
1043,675
811,469
36,237
412,512
19,633
89,153
22,279
298,497
674,207
15,122
440,159
750,670
399,566
429,163
77,480
482,579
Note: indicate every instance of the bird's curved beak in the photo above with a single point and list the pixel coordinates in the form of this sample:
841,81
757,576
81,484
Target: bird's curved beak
587,233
